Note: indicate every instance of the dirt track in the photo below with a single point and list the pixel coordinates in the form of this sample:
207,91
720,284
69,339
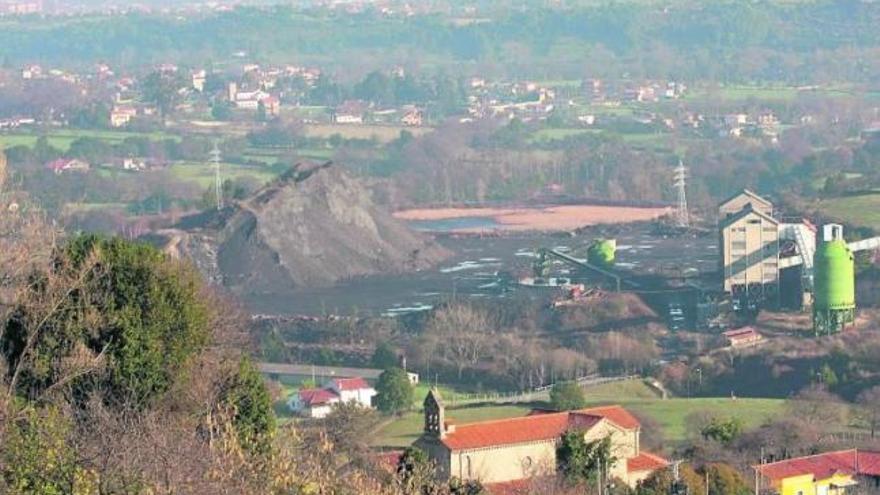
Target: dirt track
550,218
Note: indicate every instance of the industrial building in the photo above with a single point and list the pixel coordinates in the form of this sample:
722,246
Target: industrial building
749,242
769,262
735,204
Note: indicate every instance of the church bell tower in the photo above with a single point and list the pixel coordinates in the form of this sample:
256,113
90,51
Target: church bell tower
435,414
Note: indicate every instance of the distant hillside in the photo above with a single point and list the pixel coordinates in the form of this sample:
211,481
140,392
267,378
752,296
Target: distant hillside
313,226
726,41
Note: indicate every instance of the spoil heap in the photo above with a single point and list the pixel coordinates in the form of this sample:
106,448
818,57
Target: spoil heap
313,226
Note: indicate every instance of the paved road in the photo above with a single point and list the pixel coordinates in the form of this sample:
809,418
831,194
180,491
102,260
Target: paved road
322,371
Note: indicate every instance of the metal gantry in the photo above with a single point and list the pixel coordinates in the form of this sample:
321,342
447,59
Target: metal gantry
680,181
218,184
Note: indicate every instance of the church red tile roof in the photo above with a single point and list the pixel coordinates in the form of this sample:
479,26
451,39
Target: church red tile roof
518,487
533,428
616,414
645,461
823,466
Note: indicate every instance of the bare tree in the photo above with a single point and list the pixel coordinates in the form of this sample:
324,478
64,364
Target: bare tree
868,408
462,333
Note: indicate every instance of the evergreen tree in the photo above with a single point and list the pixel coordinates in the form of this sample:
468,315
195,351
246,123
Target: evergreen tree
394,391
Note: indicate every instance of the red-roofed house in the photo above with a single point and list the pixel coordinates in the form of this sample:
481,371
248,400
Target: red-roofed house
353,390
509,450
743,337
62,165
318,402
831,473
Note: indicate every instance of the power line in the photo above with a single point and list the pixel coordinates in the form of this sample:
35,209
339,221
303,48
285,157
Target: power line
680,181
218,184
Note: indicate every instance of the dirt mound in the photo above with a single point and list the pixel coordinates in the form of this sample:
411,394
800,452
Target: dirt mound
313,226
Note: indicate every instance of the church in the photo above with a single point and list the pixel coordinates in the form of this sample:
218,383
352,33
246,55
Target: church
515,449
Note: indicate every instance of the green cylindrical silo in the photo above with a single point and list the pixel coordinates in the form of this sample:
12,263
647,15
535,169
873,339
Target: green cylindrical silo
602,252
834,286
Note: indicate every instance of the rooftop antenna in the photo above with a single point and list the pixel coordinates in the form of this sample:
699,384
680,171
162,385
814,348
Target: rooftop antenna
680,181
218,184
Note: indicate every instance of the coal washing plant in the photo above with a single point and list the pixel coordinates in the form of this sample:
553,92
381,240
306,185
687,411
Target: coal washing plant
834,284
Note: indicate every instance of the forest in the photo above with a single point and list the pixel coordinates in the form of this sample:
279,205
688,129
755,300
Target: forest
797,42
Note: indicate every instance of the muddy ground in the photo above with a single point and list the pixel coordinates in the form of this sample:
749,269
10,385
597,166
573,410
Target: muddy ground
477,265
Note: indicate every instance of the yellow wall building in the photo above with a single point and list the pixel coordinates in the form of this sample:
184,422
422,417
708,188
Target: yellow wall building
831,473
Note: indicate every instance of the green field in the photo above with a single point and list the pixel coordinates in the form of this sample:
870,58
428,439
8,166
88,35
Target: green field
270,156
766,93
856,210
559,134
61,138
671,415
382,133
203,172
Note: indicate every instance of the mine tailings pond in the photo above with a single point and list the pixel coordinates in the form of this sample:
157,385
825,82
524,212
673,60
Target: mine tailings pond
486,254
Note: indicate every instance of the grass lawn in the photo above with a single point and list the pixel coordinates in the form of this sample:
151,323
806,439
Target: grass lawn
382,133
203,172
744,92
61,138
671,414
559,134
859,210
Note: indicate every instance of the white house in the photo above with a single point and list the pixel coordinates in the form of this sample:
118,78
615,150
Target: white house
353,390
121,115
313,402
318,402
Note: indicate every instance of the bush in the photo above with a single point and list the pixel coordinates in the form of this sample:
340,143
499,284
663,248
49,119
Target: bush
567,396
121,300
395,393
253,416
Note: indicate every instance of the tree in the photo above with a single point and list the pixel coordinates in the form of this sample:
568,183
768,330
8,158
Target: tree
582,461
350,426
37,457
868,408
567,396
384,356
128,304
415,473
723,430
467,487
377,88
462,333
662,483
2,169
394,391
725,480
261,112
221,111
162,88
246,395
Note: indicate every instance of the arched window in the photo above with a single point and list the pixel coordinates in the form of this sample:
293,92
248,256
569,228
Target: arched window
470,468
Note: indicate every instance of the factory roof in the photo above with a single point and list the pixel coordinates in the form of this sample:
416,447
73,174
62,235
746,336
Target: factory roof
727,222
751,194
